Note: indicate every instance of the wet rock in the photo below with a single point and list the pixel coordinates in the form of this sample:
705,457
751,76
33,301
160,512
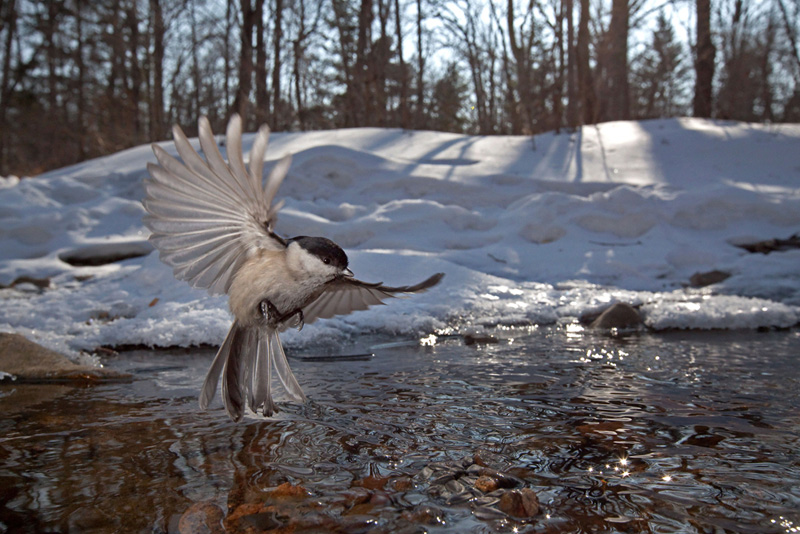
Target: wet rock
354,496
30,362
288,490
618,315
402,484
286,507
708,278
522,503
105,253
454,492
371,482
380,498
475,336
37,283
486,484
488,513
772,245
500,479
202,518
425,515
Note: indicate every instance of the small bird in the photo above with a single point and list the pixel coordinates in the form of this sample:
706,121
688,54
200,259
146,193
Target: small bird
213,222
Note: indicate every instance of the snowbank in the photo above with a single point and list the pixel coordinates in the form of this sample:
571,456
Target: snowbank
530,230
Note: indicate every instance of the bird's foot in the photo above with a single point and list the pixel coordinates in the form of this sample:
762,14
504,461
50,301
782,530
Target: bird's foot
297,317
269,312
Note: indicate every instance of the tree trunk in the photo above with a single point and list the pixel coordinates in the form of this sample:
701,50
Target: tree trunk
420,68
558,90
241,104
262,114
345,44
617,68
10,26
522,60
81,64
136,73
195,64
157,126
791,34
226,48
587,98
363,102
402,63
704,61
277,116
572,104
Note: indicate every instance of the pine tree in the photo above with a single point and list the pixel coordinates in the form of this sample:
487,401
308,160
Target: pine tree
449,96
659,75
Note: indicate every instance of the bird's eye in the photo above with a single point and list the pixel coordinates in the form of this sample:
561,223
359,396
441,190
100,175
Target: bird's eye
326,261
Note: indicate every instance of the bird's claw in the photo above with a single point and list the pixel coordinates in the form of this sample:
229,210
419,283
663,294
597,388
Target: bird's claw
297,318
274,318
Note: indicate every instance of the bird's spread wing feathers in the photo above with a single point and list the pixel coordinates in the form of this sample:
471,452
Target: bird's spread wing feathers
206,215
346,295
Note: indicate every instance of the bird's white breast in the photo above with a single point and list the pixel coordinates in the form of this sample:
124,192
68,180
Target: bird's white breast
268,275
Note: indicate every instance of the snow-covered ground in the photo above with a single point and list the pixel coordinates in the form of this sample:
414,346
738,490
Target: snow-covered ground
528,230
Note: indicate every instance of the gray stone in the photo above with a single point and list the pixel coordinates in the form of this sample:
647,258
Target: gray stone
27,361
522,503
618,315
708,278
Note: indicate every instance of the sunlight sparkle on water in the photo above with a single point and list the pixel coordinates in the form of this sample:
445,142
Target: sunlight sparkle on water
787,524
574,330
428,341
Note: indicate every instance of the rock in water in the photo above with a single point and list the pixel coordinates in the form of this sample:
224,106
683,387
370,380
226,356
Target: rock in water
522,503
618,315
27,361
708,278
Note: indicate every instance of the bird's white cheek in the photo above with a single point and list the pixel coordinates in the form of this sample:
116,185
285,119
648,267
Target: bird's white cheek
306,265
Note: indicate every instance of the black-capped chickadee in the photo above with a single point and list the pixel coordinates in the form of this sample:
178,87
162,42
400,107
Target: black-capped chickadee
212,222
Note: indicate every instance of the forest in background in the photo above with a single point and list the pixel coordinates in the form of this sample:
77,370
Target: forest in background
84,78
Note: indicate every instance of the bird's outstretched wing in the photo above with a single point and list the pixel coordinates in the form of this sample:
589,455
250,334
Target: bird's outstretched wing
206,216
346,295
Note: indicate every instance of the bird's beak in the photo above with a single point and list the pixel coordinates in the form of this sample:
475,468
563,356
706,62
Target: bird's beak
348,273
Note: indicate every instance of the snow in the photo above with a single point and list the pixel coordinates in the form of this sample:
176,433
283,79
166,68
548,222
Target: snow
527,230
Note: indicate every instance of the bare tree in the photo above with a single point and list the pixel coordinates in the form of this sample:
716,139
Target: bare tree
157,126
299,45
262,108
615,82
586,89
277,40
572,100
341,21
403,75
420,105
241,103
9,17
521,42
704,61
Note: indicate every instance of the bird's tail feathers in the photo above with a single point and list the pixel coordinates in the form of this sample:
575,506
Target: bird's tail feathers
285,374
245,362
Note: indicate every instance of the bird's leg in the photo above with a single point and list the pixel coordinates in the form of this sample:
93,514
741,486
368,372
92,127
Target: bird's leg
270,312
300,318
274,318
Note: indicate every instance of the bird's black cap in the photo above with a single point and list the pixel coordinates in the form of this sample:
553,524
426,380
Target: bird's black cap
324,249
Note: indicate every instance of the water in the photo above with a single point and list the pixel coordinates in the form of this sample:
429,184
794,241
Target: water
680,432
